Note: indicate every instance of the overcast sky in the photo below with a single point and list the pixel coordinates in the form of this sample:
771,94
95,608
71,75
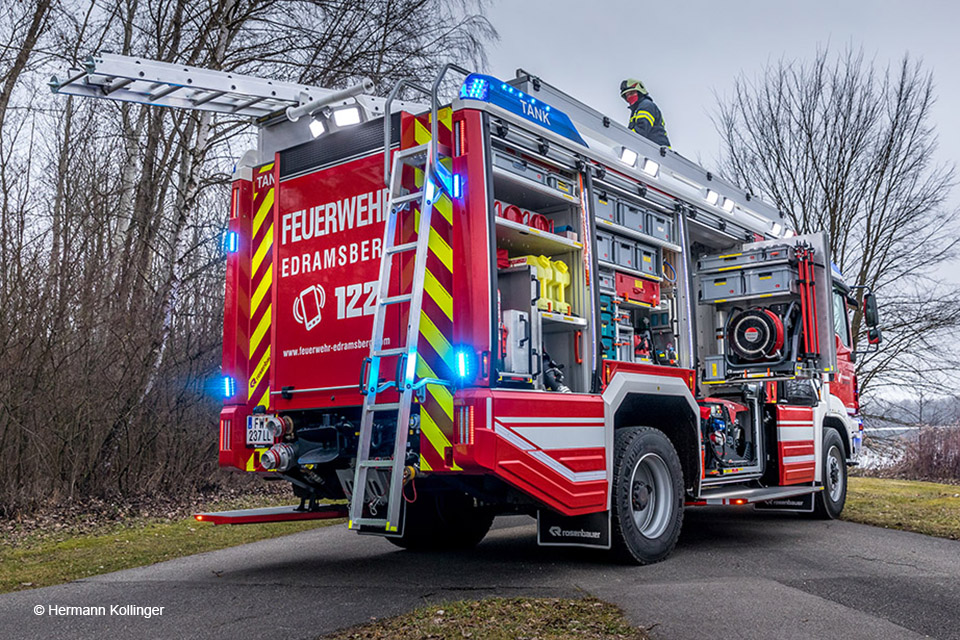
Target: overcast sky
684,51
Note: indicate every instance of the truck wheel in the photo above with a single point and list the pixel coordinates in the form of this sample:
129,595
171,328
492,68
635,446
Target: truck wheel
828,504
647,495
443,521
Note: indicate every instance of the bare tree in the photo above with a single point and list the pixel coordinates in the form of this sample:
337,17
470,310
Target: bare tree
112,216
843,147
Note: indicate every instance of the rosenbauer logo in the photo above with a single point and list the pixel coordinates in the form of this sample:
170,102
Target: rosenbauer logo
307,305
557,532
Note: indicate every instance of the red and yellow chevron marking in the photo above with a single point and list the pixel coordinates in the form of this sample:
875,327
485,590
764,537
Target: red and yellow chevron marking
261,282
435,353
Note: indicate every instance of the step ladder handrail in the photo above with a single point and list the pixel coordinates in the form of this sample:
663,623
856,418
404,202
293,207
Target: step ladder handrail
388,122
435,103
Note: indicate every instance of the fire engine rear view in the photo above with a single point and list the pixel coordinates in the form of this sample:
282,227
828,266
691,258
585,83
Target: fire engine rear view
508,303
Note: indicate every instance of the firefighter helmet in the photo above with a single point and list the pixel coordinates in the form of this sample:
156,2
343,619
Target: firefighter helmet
632,84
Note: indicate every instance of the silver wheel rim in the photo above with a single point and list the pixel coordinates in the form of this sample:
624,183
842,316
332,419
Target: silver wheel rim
834,473
651,495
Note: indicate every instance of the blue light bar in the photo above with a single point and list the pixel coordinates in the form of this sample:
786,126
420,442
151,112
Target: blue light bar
457,186
463,368
233,242
489,89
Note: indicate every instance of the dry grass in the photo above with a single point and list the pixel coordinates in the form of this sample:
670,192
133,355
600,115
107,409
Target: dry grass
44,556
503,619
923,507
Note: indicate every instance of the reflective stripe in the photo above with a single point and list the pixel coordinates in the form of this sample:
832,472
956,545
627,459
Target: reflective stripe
643,114
796,459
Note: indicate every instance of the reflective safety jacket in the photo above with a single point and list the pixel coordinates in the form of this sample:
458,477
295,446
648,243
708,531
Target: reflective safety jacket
646,119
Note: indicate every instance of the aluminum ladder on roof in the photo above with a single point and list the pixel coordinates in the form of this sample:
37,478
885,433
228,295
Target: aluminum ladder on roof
369,490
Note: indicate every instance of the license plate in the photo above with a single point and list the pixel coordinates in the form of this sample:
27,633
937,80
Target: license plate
258,434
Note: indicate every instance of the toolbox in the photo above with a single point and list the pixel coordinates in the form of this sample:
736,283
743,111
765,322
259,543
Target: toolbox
625,253
638,290
606,207
648,259
560,183
730,261
720,286
715,368
517,166
633,218
604,246
606,281
660,227
772,280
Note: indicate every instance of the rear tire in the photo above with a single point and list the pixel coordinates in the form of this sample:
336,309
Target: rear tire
828,504
647,495
443,521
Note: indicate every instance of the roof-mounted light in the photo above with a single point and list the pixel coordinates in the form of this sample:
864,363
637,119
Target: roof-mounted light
316,128
728,205
650,167
628,156
347,116
711,196
777,228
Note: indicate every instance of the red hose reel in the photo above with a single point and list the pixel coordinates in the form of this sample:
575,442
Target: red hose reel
756,334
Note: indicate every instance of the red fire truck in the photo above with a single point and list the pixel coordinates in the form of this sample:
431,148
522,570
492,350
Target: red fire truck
510,303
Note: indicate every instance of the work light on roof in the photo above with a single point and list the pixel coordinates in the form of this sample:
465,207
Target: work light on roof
316,128
777,228
628,156
347,116
728,205
650,167
789,233
711,196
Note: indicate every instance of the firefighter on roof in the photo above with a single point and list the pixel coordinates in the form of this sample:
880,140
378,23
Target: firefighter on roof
645,117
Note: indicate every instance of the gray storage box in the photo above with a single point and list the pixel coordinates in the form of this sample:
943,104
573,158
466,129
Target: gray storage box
606,207
721,286
731,261
625,253
518,166
604,246
660,227
778,279
648,259
715,368
633,218
517,357
564,185
607,281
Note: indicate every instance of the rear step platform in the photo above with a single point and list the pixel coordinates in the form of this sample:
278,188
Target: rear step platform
273,514
740,495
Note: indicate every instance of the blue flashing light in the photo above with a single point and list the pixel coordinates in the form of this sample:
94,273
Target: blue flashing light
463,366
493,91
233,242
475,88
228,386
457,186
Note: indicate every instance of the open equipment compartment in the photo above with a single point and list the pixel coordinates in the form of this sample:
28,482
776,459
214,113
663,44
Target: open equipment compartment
542,289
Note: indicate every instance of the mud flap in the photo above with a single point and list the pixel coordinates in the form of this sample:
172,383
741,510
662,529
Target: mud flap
590,530
799,504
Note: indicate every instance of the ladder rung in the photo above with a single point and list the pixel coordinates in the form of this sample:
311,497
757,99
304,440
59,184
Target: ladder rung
407,198
412,151
370,522
406,297
389,406
376,464
386,353
408,246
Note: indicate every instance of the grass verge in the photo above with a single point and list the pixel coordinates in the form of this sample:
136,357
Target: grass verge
503,619
923,507
45,558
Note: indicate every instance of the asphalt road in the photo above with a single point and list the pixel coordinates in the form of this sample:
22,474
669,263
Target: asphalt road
734,575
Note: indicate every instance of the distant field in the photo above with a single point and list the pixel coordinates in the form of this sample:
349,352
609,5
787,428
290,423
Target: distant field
923,507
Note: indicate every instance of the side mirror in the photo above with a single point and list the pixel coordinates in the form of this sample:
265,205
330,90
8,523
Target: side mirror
874,336
871,317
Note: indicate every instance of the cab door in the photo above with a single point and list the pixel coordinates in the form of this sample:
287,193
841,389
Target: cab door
845,383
